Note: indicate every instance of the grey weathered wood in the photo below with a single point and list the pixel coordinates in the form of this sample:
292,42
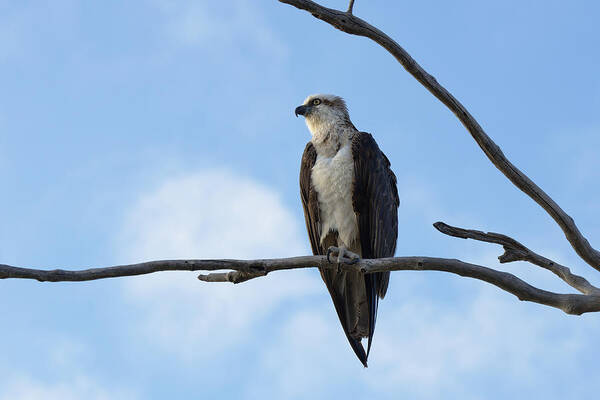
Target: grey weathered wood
515,251
243,270
349,23
246,266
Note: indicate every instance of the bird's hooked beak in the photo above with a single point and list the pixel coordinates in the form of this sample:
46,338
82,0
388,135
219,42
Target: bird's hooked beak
302,110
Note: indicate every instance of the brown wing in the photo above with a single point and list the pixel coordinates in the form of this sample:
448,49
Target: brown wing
337,283
310,201
375,201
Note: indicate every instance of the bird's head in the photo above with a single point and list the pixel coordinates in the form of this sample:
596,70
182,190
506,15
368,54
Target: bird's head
323,109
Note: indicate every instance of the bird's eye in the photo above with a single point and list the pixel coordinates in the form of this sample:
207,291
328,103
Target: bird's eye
316,102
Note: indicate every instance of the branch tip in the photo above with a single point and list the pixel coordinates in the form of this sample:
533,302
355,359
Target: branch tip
442,227
350,7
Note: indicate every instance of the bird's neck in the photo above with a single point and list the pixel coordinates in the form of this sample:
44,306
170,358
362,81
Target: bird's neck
329,136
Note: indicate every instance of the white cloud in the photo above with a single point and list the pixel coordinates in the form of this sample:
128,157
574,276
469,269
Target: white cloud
420,198
64,376
442,345
425,202
26,388
309,357
424,348
426,345
67,353
215,25
210,214
213,213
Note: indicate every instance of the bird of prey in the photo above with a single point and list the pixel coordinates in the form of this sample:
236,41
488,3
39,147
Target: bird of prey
350,205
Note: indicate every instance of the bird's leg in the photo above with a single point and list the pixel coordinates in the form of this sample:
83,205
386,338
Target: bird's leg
343,255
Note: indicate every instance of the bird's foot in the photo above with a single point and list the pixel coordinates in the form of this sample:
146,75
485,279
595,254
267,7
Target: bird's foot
344,256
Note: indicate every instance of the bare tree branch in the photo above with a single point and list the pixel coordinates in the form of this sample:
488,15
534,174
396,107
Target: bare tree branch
246,266
243,270
515,251
351,24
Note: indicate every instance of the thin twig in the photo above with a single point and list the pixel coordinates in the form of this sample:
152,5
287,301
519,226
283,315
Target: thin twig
353,25
350,7
231,276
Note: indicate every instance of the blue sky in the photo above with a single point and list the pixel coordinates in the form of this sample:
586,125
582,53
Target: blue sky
163,129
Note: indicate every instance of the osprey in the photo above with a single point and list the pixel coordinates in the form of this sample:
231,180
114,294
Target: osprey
350,205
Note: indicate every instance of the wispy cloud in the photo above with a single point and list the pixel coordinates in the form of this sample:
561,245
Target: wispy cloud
220,26
210,214
66,376
579,158
24,387
426,349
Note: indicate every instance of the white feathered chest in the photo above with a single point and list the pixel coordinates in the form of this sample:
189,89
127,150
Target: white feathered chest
333,178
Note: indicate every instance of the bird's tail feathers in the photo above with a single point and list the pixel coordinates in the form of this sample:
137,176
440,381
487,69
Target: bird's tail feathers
359,350
347,294
373,303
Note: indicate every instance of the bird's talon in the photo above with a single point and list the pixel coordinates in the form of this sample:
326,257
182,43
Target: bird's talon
344,256
330,250
353,260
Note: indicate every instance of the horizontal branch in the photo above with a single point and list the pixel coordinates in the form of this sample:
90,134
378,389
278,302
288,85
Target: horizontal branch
349,23
569,303
515,251
246,266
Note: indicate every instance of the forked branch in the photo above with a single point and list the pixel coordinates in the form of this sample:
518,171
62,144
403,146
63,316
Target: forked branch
242,270
515,251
